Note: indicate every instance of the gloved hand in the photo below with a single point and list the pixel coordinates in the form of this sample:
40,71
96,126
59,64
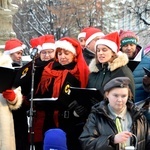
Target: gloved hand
146,80
9,95
94,101
80,111
72,105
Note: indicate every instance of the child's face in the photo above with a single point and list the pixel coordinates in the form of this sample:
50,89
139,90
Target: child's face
117,98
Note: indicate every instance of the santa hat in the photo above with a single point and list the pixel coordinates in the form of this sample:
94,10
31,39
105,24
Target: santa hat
48,42
55,139
91,34
36,43
65,44
111,40
83,33
13,45
74,46
128,37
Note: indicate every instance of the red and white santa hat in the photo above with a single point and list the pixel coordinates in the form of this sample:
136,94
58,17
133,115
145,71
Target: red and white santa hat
64,44
13,45
92,33
111,40
36,43
82,34
48,42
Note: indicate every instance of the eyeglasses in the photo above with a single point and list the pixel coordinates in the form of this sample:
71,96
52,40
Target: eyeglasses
47,52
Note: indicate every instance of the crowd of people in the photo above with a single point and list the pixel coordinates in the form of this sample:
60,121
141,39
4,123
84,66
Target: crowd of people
95,60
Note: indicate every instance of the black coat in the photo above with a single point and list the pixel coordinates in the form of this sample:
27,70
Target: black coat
99,75
20,124
69,123
100,127
88,55
20,115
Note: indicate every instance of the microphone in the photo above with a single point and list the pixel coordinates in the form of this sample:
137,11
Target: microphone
34,52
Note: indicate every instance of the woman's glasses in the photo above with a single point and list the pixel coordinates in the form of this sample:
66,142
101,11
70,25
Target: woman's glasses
47,52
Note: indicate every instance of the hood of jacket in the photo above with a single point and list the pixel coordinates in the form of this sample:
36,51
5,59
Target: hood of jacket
139,55
118,62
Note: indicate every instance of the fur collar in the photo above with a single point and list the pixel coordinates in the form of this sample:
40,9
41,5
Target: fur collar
120,61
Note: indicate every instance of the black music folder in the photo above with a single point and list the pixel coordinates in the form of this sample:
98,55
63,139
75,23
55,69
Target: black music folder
24,77
64,96
86,96
132,64
7,77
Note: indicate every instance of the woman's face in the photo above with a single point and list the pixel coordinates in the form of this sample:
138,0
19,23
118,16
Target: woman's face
16,56
82,42
117,98
65,57
104,54
48,54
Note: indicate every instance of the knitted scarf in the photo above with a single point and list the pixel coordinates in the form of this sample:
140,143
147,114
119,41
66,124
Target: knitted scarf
59,78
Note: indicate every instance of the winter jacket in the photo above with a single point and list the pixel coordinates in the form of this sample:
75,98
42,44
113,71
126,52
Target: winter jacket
99,129
41,110
7,137
49,113
138,73
20,120
100,75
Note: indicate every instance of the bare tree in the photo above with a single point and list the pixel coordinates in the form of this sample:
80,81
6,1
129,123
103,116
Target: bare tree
68,17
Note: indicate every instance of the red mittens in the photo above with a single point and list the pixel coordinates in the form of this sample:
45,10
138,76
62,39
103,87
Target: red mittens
9,95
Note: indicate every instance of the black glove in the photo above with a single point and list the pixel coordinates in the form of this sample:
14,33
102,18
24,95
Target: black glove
80,111
94,101
72,105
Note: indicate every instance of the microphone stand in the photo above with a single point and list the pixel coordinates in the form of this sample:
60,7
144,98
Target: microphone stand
31,111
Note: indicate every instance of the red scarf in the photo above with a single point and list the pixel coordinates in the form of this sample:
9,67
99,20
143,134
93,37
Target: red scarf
59,78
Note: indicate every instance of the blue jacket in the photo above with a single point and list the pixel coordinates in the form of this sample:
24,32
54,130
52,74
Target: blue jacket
138,73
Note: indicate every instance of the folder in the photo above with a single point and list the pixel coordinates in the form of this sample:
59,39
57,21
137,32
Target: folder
7,77
144,104
24,77
147,71
132,64
64,97
86,96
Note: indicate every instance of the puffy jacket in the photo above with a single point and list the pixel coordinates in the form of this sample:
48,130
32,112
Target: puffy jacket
100,75
100,127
